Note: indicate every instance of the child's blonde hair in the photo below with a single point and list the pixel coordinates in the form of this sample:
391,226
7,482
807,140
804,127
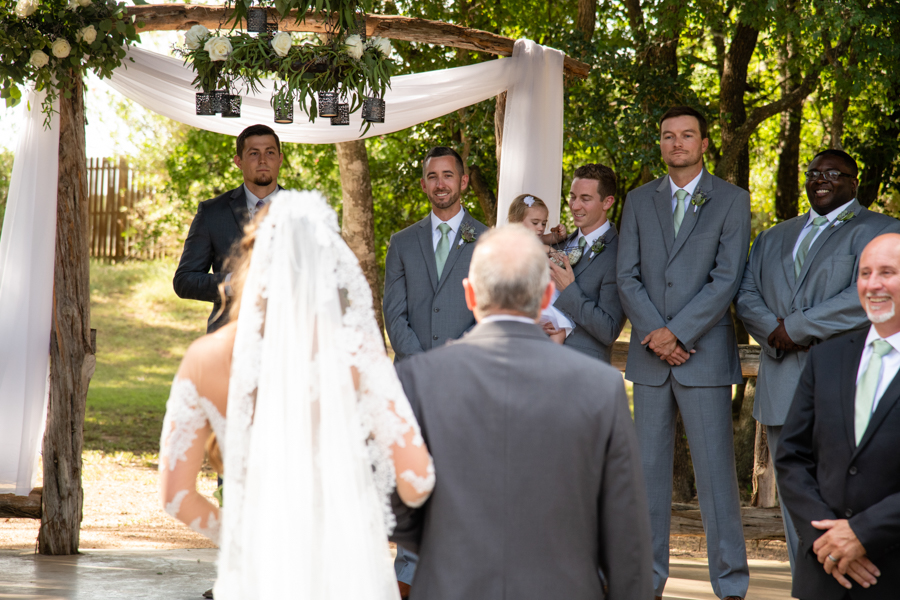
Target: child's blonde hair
519,206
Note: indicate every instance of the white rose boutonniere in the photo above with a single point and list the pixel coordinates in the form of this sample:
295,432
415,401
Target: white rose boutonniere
282,43
381,44
84,3
354,46
25,8
845,216
699,199
61,48
39,59
218,47
87,35
195,36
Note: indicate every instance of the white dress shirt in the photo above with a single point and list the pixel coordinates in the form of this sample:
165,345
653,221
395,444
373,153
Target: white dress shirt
689,188
505,317
454,224
809,223
252,200
591,238
890,363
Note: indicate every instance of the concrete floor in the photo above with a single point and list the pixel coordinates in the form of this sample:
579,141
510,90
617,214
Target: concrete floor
185,574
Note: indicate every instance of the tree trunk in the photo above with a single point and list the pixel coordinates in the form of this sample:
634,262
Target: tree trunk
879,156
487,199
744,432
587,18
764,491
499,117
733,166
358,219
787,187
71,357
682,468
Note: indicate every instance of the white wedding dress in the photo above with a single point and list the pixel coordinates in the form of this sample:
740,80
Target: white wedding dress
315,414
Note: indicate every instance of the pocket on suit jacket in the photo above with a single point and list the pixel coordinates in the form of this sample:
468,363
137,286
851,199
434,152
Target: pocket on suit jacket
838,272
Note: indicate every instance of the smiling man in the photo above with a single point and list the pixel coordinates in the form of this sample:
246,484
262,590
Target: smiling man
219,223
586,284
837,459
681,256
799,288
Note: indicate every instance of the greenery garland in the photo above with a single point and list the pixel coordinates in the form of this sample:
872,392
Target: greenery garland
51,43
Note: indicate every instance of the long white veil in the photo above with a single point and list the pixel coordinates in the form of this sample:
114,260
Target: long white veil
308,468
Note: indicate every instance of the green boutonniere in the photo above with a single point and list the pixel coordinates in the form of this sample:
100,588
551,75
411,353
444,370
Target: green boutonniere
466,234
699,199
845,216
598,246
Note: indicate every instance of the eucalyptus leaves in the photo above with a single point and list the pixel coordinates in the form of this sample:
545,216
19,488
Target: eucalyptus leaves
53,43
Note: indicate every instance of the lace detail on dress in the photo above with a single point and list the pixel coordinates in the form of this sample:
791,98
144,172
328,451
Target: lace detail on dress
186,413
212,527
423,485
174,507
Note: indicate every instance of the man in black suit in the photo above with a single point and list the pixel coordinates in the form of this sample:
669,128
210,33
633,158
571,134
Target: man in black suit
219,223
838,459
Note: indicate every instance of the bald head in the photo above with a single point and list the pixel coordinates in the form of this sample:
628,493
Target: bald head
879,283
508,273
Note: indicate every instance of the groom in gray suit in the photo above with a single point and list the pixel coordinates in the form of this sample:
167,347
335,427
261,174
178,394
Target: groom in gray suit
682,252
799,288
424,304
539,495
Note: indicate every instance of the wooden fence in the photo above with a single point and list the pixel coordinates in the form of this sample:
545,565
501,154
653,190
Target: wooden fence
113,191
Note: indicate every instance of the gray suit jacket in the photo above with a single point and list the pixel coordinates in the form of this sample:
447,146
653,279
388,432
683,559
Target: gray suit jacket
592,302
822,303
421,312
685,283
539,489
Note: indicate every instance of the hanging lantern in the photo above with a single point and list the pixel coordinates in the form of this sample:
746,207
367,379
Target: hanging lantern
204,102
361,27
218,100
328,104
343,115
256,19
284,111
271,28
231,106
373,110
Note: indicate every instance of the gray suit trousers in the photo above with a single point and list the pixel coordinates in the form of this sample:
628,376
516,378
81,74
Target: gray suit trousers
706,412
773,432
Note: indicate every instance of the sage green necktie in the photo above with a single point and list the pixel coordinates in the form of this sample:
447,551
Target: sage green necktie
803,250
866,388
443,248
679,209
582,242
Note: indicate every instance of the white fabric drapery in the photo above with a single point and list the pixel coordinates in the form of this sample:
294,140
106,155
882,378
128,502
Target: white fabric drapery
531,162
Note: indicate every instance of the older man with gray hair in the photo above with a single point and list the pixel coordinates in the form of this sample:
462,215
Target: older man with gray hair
540,492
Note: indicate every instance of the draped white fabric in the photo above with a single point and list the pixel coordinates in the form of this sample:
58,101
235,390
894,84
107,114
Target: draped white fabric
26,297
531,162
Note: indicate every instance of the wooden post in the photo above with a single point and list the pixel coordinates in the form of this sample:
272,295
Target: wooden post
358,215
71,357
121,205
764,491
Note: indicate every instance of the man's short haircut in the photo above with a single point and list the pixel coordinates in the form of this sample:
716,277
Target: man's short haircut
688,111
603,175
849,162
439,151
509,271
256,130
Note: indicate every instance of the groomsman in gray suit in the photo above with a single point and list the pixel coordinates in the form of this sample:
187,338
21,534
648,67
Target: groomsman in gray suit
682,252
424,303
588,294
799,288
539,495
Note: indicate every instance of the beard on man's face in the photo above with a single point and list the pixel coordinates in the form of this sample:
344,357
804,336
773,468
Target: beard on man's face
443,202
262,179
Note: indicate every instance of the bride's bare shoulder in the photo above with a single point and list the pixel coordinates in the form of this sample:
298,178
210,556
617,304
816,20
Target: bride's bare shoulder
209,357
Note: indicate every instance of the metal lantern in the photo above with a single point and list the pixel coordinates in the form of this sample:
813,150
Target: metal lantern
361,27
284,111
256,19
373,110
343,115
218,100
231,106
328,104
271,28
204,102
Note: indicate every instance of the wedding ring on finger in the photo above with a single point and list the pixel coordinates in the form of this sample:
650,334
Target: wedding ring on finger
832,559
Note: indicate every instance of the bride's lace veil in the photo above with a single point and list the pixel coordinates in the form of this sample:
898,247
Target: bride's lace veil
307,463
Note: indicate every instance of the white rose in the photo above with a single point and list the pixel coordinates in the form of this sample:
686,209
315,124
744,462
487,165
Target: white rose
281,43
383,45
25,8
87,35
73,5
218,47
195,36
354,46
60,48
39,59
84,3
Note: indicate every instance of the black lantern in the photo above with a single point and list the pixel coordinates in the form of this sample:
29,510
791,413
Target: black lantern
328,104
271,28
231,106
373,110
256,19
343,115
218,96
204,102
284,110
361,27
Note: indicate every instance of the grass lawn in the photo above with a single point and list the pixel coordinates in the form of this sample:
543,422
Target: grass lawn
143,330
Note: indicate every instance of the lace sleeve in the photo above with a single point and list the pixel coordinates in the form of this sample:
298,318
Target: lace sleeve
181,451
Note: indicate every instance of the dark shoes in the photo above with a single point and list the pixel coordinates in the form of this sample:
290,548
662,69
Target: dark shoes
404,589
208,594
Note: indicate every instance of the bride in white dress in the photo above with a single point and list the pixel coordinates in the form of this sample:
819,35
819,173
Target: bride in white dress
317,423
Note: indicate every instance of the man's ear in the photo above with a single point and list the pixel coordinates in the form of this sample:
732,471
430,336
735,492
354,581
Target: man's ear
608,202
470,294
237,161
463,183
422,184
548,296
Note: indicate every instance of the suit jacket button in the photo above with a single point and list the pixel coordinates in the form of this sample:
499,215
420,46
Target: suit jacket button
848,513
670,284
853,470
668,318
437,310
434,337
